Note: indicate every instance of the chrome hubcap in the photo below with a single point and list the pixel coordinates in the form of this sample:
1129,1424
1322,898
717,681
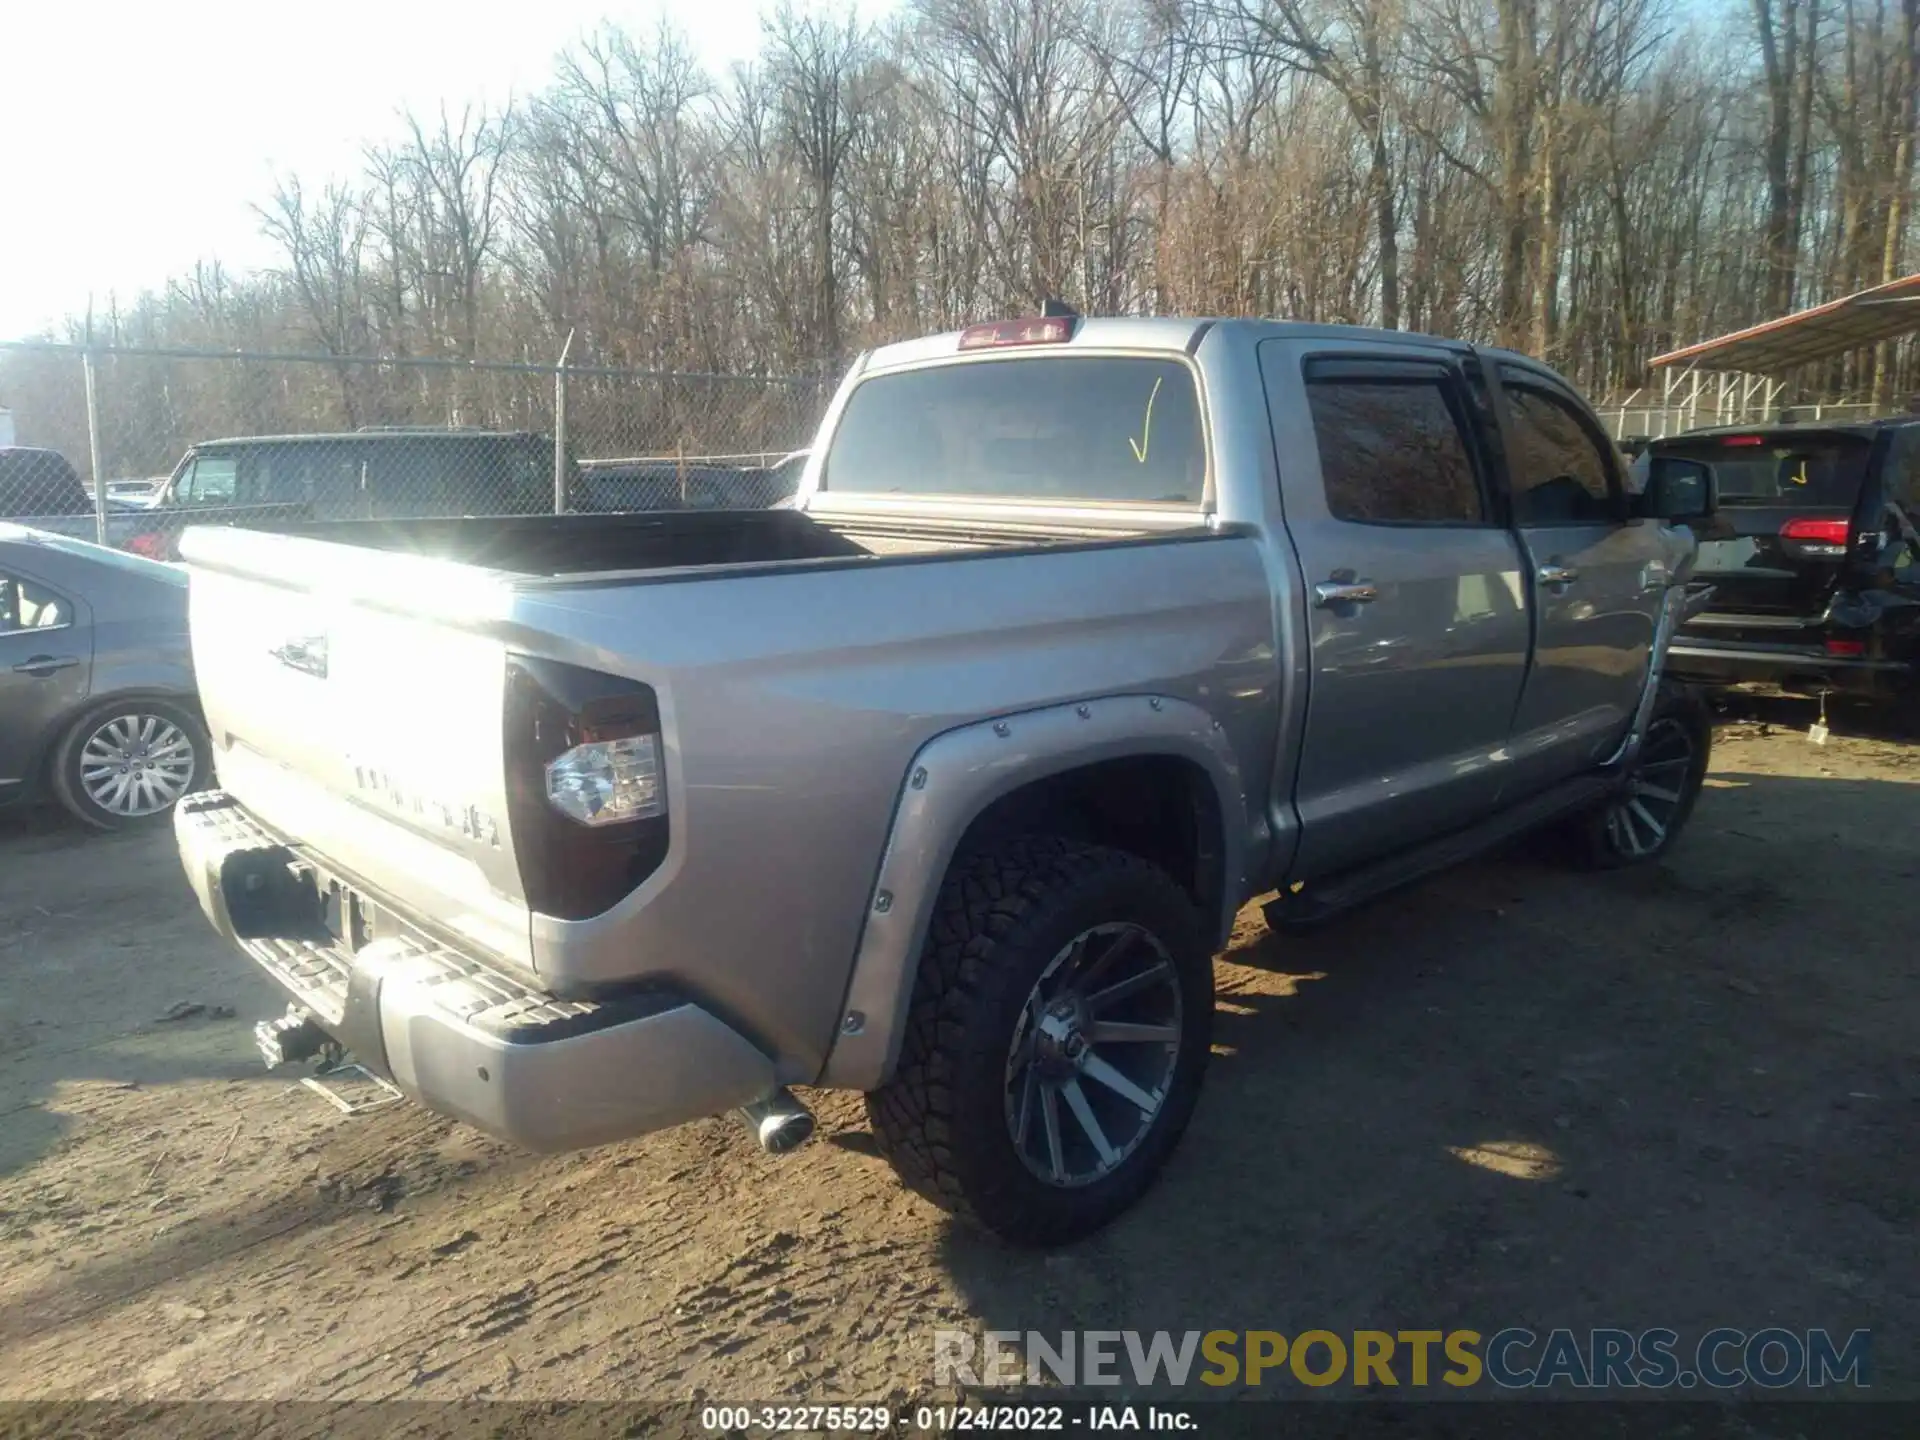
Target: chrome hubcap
136,765
1093,1055
1638,823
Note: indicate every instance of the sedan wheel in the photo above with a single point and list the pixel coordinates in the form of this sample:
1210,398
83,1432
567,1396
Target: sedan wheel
129,763
137,765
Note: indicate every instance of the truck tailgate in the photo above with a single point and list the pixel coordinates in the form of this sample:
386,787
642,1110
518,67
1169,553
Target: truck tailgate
374,737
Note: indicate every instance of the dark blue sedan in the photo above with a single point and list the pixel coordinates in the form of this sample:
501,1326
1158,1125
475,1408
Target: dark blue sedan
97,701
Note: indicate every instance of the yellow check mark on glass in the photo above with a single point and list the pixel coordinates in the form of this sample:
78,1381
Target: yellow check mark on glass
1139,447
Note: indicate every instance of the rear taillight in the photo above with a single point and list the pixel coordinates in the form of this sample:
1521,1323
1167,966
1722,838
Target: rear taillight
608,782
151,545
1744,440
1815,538
586,789
1846,648
1833,532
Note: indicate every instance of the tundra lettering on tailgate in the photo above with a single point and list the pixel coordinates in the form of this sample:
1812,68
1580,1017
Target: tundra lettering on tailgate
468,821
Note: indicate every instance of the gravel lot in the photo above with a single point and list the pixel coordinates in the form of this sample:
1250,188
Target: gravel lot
1714,1062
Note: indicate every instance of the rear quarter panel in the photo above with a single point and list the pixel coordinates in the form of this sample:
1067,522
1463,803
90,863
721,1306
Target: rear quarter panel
792,704
140,640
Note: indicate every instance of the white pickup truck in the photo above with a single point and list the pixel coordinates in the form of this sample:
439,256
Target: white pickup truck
946,784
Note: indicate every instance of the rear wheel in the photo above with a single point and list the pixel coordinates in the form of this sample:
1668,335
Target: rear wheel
128,762
1058,1034
1643,819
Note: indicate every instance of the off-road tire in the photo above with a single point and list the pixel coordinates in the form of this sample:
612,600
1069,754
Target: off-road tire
1002,915
64,765
1592,845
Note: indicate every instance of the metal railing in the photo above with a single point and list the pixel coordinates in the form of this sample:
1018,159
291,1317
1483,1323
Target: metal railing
1628,418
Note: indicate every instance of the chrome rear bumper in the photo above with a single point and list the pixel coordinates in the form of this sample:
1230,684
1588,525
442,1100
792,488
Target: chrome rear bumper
460,1035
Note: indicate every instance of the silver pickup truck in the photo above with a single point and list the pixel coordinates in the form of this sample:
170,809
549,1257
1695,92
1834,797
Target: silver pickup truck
946,784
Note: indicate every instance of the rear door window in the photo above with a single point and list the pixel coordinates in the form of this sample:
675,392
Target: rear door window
1393,447
27,605
1118,429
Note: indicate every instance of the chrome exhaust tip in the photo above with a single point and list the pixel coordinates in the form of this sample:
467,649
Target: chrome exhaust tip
779,1122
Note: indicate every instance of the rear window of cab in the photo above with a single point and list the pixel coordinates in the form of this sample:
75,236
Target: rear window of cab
1102,428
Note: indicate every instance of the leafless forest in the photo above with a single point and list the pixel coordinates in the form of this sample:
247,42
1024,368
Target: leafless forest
1594,181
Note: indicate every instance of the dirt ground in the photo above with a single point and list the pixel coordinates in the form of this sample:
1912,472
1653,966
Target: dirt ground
1713,1063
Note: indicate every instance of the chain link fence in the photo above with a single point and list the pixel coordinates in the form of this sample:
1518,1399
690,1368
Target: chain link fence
131,446
182,437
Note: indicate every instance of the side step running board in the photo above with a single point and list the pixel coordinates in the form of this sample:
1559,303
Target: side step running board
1343,892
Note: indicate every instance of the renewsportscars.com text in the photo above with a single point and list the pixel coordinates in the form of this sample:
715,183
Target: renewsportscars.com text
1513,1358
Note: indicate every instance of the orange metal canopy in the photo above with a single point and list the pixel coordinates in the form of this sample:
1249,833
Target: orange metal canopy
1850,323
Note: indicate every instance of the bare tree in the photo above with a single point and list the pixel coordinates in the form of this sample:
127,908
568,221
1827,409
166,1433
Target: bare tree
1590,179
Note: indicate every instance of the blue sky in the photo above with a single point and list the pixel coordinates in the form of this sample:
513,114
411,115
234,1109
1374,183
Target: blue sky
136,137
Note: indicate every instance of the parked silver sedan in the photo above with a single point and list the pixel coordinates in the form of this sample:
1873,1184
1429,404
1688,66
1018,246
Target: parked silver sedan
97,701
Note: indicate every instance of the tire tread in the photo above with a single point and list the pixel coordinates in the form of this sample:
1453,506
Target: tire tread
988,902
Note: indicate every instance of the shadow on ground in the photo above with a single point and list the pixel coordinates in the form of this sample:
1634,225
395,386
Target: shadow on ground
1680,1097
109,976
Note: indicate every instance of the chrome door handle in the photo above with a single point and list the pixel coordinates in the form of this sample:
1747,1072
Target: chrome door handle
307,654
43,665
1556,574
1329,593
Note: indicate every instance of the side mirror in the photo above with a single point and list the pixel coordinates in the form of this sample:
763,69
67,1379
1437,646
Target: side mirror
1677,491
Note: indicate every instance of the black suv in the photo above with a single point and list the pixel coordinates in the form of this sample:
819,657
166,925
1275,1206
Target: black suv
1814,558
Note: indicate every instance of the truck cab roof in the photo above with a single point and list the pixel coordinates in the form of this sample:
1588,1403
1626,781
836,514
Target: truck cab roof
1168,334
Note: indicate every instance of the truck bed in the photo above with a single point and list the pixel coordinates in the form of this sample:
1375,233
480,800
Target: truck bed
559,546
554,545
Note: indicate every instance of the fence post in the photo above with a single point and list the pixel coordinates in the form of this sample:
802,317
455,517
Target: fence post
560,428
93,449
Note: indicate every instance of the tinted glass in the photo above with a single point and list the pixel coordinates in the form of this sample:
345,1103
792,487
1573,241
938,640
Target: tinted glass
1822,472
278,475
1058,427
40,482
457,475
330,480
1559,469
1393,451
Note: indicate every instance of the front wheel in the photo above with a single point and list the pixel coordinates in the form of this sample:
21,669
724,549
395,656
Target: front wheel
1641,821
128,762
1059,1030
